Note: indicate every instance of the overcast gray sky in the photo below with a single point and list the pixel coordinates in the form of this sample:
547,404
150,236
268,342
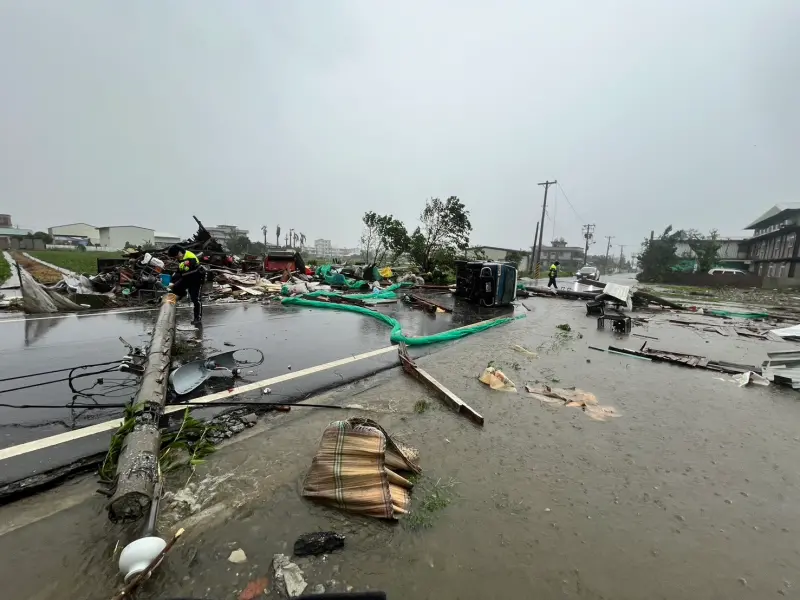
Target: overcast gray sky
308,113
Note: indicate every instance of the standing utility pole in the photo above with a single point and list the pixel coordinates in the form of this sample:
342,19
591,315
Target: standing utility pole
546,185
621,248
533,248
588,234
608,249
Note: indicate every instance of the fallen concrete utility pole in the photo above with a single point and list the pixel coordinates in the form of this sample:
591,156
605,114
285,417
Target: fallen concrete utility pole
137,468
444,394
563,293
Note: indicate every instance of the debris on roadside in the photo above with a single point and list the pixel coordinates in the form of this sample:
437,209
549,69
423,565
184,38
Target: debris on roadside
744,379
356,468
686,360
318,542
255,589
783,368
193,374
237,556
564,327
524,350
496,380
289,575
573,398
448,397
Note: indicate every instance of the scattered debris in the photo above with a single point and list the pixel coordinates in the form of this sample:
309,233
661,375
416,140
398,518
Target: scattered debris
524,350
788,333
497,380
619,323
444,394
744,379
237,556
783,368
564,327
192,375
573,398
288,574
356,469
143,576
254,589
686,360
318,542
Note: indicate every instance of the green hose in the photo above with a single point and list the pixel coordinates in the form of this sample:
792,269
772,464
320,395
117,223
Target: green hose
396,335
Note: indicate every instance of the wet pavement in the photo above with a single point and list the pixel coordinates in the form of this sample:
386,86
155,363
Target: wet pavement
690,493
290,338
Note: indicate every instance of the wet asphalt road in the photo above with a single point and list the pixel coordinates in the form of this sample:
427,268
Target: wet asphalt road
690,493
290,338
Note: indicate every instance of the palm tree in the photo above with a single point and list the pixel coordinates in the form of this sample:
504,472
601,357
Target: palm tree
264,231
278,235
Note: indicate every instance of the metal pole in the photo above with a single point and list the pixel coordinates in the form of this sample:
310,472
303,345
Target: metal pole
533,248
137,468
546,185
608,249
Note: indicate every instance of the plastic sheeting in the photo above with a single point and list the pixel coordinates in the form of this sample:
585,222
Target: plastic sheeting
36,299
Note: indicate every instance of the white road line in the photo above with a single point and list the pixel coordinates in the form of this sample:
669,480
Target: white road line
69,436
121,311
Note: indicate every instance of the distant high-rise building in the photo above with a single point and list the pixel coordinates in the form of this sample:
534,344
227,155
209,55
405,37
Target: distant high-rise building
5,221
223,233
322,247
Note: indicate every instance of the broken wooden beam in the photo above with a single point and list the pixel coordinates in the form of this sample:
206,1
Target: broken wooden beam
137,467
428,302
442,392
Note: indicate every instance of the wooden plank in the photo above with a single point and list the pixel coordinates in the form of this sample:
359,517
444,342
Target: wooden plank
444,394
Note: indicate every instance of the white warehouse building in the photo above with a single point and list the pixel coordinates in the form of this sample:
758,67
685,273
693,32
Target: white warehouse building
116,237
76,230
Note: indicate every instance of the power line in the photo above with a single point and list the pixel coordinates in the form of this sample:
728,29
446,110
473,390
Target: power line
580,218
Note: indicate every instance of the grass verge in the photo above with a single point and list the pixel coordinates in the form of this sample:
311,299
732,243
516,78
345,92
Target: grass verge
435,497
74,260
5,269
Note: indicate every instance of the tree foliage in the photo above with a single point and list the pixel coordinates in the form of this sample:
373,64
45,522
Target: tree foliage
515,257
238,245
705,247
444,233
383,236
658,255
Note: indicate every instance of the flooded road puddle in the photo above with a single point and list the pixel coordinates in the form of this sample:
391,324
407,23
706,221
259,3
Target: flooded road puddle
688,495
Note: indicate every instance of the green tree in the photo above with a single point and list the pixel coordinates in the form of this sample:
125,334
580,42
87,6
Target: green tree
658,255
238,245
383,236
515,257
443,235
43,235
705,247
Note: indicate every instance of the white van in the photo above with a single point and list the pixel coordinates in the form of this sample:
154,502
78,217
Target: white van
726,272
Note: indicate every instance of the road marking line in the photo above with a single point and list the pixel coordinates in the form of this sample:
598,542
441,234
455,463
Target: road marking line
69,436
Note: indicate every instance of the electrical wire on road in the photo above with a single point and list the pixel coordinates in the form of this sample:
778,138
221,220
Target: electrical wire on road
188,404
102,364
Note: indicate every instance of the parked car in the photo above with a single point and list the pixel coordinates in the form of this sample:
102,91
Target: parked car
588,272
726,272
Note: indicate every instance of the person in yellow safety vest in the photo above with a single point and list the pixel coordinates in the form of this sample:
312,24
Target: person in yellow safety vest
189,277
553,273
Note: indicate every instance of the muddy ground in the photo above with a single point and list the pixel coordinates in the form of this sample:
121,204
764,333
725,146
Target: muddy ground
690,493
40,272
